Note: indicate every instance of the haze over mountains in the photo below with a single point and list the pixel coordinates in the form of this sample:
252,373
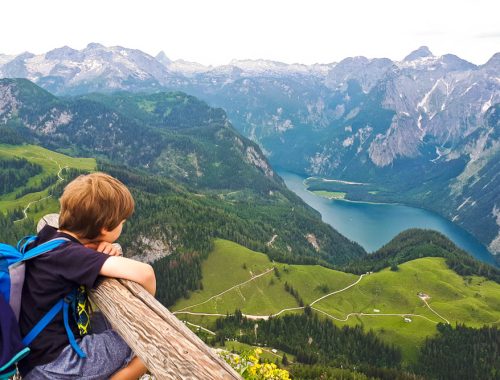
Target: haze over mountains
425,129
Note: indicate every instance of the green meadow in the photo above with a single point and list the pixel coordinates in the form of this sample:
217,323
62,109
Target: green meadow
330,194
51,163
472,300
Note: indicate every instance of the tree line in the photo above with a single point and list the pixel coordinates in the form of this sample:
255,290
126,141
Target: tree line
15,172
324,351
461,352
312,340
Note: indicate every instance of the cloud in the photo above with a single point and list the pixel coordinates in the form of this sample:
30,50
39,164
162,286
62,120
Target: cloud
426,33
488,35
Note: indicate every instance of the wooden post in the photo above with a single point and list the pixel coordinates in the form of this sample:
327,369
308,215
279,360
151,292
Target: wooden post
167,347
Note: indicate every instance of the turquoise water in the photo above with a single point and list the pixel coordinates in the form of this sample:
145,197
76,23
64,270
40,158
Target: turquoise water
373,225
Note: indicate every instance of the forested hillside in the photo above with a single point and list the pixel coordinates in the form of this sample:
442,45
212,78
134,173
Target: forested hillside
192,175
461,352
416,243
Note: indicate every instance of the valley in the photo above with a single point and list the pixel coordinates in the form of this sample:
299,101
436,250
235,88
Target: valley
424,128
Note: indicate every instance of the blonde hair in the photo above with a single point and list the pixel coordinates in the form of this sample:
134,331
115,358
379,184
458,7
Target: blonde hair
92,202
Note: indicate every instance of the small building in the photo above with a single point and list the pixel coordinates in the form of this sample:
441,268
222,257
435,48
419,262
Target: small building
407,320
274,350
376,310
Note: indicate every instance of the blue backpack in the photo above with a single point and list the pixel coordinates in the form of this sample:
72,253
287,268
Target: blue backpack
12,269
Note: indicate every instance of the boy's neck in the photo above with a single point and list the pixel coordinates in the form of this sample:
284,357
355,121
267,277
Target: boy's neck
79,238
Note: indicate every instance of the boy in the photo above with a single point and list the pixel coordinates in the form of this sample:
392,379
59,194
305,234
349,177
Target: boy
93,210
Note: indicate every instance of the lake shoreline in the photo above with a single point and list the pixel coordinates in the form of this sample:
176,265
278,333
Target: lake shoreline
353,201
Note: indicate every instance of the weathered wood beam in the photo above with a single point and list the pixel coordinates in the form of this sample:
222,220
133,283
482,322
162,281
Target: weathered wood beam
166,346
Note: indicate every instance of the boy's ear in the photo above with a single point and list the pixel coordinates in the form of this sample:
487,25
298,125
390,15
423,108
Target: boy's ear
103,231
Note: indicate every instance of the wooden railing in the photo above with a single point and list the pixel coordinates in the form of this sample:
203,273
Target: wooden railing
166,346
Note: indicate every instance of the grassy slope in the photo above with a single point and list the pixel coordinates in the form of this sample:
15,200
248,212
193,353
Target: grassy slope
50,162
475,303
224,269
330,194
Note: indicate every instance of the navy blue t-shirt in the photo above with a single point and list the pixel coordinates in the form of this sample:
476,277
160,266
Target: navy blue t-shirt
50,277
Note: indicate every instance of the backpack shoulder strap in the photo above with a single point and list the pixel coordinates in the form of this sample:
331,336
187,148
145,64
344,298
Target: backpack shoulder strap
25,241
62,304
8,255
44,247
42,323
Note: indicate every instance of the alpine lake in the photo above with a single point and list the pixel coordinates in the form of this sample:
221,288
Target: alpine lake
374,224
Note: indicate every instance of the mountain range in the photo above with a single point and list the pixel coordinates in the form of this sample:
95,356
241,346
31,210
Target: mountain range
423,131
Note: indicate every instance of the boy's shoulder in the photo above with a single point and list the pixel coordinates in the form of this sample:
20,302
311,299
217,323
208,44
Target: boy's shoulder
71,261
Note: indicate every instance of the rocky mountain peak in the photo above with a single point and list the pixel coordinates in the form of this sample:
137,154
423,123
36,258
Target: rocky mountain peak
454,63
358,61
61,53
94,45
24,56
421,52
493,62
163,59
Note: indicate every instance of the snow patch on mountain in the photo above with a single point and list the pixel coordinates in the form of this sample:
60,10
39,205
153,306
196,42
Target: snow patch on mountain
268,67
188,68
348,141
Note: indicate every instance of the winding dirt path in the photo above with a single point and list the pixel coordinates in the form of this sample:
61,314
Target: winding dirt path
225,291
270,242
200,327
374,315
25,211
59,179
338,291
260,317
434,311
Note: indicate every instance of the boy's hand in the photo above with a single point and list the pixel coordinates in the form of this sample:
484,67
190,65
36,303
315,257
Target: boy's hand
111,249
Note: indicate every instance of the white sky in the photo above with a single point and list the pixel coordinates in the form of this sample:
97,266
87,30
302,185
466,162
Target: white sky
216,31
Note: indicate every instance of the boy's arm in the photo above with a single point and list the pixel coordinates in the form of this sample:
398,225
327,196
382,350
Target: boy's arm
128,269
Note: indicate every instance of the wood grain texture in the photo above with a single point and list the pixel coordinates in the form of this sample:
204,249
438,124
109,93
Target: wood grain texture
168,348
